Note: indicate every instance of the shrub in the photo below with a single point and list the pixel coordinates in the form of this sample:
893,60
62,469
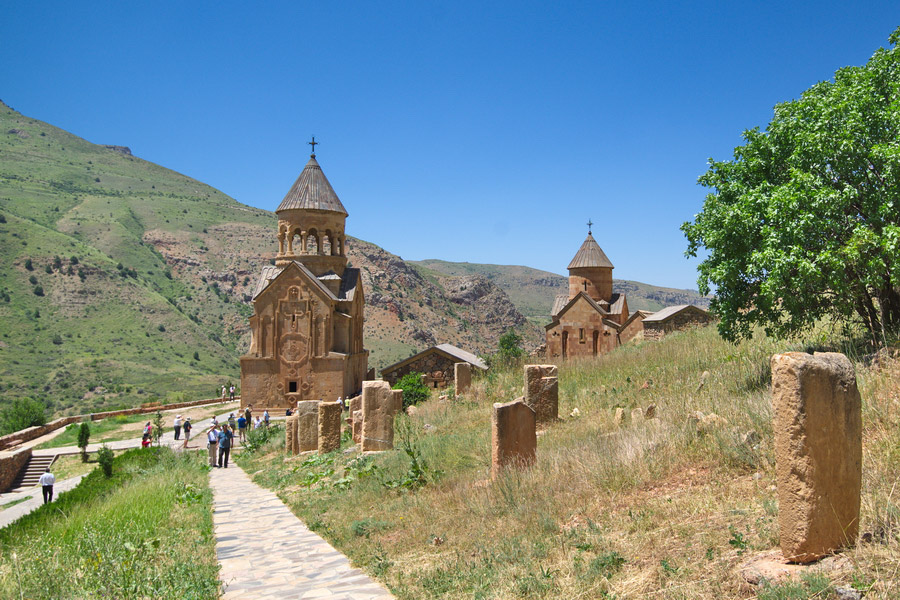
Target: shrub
105,458
162,327
57,339
32,280
257,438
38,290
28,265
414,391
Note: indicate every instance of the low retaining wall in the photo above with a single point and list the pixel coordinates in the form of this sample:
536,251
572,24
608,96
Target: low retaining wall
10,465
26,435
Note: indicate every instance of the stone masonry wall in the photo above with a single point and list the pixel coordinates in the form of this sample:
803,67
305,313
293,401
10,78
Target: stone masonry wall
682,320
10,465
438,370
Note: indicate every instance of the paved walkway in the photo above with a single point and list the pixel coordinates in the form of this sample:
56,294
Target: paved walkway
35,499
268,553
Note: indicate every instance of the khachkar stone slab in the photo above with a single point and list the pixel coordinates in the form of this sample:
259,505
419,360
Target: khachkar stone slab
542,391
513,436
818,453
462,377
329,426
290,433
379,406
308,425
357,426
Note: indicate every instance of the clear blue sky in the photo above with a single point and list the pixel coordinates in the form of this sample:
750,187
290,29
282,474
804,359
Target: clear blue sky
469,131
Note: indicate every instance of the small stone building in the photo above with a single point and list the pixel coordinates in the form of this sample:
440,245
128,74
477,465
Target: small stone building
435,363
307,323
674,318
591,319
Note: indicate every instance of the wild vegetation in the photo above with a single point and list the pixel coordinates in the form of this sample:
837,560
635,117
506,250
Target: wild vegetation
143,532
648,510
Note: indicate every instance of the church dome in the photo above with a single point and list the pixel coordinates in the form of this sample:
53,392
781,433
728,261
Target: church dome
590,256
312,191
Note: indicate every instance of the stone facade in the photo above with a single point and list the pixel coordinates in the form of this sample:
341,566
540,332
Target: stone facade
513,436
306,330
329,426
380,404
542,392
437,365
818,453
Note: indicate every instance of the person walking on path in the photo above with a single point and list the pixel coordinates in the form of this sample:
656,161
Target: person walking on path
248,414
225,438
177,424
187,432
223,392
257,423
212,440
266,417
231,391
232,422
242,429
47,480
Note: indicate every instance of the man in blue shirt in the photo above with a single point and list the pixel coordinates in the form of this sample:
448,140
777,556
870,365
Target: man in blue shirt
225,438
242,429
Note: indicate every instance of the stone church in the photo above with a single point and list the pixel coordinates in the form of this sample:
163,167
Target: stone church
591,319
307,323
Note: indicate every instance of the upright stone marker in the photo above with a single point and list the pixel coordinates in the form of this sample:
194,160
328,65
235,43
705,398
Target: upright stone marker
818,453
379,406
462,377
292,423
357,426
289,433
513,436
308,425
542,391
329,426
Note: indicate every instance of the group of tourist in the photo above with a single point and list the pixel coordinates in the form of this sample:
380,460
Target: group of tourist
228,392
219,438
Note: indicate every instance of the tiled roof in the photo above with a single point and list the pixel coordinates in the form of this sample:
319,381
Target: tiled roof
270,274
618,304
590,255
670,311
559,304
462,355
312,191
349,284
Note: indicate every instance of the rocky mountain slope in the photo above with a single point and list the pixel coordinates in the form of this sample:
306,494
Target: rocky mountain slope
121,281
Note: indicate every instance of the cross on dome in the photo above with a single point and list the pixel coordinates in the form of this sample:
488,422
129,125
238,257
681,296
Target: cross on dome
313,143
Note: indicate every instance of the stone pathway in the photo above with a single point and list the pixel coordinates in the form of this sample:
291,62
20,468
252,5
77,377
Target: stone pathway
35,499
268,553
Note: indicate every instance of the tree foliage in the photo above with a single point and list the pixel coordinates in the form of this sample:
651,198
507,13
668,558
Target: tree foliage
509,348
414,391
21,413
803,222
84,436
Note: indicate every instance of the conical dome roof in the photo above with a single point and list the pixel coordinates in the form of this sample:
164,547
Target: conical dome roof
312,191
590,255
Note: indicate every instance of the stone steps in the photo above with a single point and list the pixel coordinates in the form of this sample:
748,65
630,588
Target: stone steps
29,476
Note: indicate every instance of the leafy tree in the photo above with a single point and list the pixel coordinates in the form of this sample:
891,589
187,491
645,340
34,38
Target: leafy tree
510,347
21,413
805,220
84,436
414,391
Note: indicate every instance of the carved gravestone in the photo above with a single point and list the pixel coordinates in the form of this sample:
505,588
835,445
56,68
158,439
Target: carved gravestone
308,425
462,377
295,442
289,432
357,426
818,453
379,406
513,436
542,391
329,426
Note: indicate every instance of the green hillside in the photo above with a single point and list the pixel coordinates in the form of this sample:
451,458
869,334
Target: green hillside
91,314
533,290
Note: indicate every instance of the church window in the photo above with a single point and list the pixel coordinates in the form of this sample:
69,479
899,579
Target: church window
584,283
292,387
581,336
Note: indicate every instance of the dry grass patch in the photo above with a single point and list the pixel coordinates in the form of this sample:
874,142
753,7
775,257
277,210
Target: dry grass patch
645,510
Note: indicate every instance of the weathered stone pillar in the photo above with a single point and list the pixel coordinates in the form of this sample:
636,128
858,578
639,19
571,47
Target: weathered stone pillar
513,436
462,377
379,406
357,426
542,391
329,426
289,433
818,453
294,422
308,425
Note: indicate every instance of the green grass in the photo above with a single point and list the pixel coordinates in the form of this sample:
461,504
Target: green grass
144,533
646,510
13,503
105,430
